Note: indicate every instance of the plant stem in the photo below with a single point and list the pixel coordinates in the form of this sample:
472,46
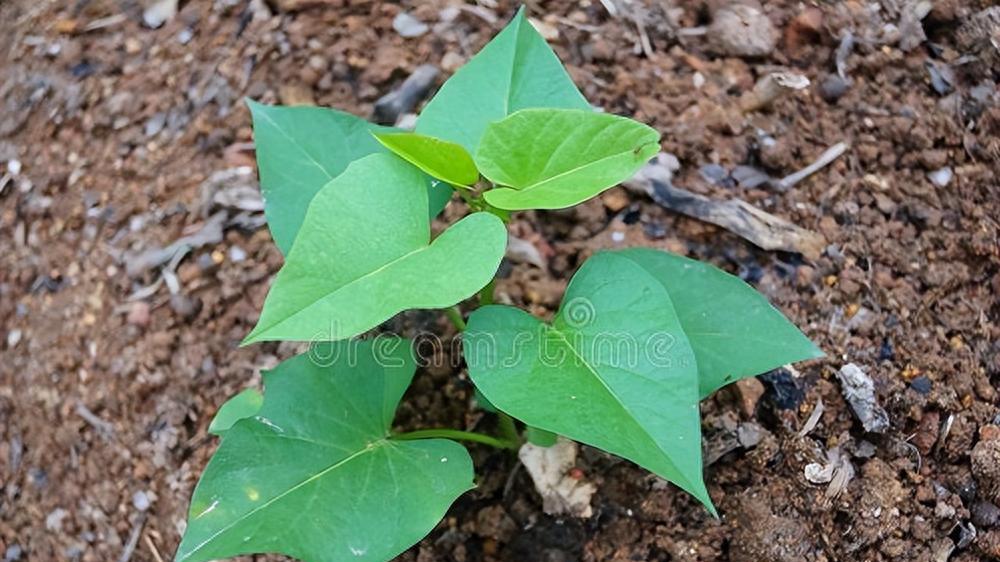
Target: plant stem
507,428
487,294
455,315
466,196
458,435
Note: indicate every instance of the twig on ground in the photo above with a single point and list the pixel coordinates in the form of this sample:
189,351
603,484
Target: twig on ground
828,156
133,538
103,427
152,548
391,106
735,215
211,232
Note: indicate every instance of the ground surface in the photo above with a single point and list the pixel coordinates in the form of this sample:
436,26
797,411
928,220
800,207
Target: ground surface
104,402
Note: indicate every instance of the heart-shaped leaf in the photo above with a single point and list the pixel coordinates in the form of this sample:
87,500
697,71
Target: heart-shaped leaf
440,159
315,475
734,331
365,255
556,158
243,405
515,70
299,150
614,369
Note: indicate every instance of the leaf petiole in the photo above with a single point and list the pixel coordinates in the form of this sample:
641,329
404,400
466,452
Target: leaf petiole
486,295
455,316
457,435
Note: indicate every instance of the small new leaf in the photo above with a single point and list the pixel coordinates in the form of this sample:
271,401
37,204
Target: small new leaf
556,158
440,159
734,331
243,405
614,370
365,254
314,474
516,70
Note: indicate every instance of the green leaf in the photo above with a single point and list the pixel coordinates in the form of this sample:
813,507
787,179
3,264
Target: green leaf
540,437
314,474
516,70
556,158
299,150
734,331
441,159
613,370
365,255
243,405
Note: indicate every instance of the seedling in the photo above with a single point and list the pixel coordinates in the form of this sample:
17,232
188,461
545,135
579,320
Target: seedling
313,469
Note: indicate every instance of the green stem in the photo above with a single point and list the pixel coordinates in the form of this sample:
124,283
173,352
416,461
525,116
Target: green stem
455,315
507,428
466,196
457,435
486,296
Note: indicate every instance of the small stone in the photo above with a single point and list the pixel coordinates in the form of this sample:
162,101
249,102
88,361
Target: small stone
985,459
132,45
548,31
748,393
13,553
921,384
54,520
985,514
155,124
159,12
237,254
941,177
186,307
944,511
296,94
615,200
804,29
13,338
409,26
140,500
14,167
927,432
742,30
832,88
138,314
452,61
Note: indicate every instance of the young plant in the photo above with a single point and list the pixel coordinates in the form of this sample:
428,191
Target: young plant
312,469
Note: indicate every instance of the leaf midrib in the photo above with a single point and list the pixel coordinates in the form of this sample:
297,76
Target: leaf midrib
368,449
354,281
576,169
297,145
621,404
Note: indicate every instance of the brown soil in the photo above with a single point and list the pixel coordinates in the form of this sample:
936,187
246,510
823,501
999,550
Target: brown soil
104,403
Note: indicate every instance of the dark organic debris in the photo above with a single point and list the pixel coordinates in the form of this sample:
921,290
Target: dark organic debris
783,390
